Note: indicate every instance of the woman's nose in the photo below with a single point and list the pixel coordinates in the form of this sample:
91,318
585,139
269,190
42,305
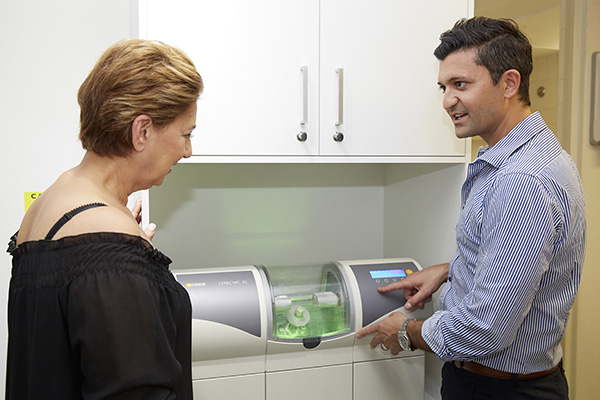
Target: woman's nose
187,151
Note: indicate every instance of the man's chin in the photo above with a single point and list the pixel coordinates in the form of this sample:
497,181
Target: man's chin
463,133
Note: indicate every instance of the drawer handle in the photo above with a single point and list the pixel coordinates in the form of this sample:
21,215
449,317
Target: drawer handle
304,70
340,120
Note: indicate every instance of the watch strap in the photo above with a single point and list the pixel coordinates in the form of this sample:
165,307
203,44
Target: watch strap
403,338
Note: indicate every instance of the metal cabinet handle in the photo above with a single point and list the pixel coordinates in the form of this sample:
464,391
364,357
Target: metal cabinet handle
340,120
302,136
304,70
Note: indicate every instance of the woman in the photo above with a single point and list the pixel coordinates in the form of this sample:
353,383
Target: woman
94,312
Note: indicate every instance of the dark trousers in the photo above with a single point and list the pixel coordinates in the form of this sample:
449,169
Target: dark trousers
458,384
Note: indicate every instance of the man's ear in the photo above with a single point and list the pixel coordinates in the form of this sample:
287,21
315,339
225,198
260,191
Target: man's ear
139,131
512,82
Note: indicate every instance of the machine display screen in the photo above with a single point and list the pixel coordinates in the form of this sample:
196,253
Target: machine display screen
388,273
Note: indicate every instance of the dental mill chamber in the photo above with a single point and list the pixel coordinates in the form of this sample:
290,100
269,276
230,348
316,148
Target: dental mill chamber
288,332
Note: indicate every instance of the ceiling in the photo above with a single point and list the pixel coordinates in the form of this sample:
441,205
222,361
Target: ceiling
539,19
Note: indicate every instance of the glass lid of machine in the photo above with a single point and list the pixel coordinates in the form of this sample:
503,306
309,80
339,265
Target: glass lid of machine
309,301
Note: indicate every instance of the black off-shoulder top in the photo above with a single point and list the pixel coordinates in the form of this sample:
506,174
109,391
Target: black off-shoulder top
96,316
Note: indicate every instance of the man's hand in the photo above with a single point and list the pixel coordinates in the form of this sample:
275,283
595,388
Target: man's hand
387,332
420,286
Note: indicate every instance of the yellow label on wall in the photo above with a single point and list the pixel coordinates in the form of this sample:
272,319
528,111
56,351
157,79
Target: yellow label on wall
30,198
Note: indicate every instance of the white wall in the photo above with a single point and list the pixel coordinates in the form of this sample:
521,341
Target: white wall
47,48
545,75
238,214
581,35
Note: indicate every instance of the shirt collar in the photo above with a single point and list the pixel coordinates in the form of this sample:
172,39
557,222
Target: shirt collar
517,137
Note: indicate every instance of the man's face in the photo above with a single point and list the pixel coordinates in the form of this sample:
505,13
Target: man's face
475,104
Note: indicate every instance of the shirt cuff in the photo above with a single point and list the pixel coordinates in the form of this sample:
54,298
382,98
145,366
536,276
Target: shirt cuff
432,335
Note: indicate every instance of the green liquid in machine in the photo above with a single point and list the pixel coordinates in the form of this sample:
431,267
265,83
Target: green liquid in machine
322,322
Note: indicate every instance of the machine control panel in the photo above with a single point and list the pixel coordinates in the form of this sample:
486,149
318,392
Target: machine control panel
372,276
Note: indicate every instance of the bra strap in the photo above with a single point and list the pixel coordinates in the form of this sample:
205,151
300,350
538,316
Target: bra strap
65,218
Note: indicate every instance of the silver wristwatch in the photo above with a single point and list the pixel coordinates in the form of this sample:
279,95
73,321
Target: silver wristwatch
403,338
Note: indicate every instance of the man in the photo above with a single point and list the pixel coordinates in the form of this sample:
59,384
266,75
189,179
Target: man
520,235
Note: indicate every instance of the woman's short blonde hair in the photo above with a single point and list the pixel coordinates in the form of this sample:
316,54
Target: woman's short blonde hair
134,77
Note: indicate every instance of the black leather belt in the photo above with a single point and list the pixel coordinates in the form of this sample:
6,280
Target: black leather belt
494,373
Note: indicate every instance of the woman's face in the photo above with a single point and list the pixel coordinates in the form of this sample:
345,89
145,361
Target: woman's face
170,144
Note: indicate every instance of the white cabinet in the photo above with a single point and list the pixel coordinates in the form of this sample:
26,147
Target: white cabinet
276,68
249,53
247,387
392,103
326,383
397,378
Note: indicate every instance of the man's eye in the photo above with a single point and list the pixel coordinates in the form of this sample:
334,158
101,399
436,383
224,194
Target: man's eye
461,84
443,89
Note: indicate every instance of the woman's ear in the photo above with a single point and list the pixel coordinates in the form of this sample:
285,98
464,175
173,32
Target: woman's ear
140,131
512,82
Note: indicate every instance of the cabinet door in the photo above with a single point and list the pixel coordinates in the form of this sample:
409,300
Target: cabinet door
250,55
395,379
391,101
324,383
247,387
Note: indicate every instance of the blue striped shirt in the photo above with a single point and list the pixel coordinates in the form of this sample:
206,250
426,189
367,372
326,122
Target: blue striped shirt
521,243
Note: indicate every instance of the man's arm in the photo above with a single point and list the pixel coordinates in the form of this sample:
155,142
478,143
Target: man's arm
418,288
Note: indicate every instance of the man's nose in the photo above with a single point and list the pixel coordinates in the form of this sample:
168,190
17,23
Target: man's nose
449,101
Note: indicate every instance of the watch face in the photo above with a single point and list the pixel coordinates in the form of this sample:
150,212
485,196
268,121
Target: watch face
403,340
404,343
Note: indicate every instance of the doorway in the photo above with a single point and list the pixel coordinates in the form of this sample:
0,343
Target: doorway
540,21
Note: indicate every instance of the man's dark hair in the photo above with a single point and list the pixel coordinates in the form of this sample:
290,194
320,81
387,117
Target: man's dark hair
500,46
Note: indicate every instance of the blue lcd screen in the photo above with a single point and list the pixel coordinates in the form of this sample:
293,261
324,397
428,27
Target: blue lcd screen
388,273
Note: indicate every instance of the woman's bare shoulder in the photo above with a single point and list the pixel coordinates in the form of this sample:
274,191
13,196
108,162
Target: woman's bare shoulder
105,218
100,219
69,192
